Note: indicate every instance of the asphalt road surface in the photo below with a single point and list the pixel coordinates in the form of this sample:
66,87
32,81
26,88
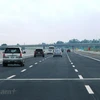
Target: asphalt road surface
71,77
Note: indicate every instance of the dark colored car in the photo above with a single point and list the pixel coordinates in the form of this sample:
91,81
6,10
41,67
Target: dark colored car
68,50
39,52
62,50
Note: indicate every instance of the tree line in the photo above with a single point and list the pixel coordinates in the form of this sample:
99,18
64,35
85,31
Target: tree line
78,41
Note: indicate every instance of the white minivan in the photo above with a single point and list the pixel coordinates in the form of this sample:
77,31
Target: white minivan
50,50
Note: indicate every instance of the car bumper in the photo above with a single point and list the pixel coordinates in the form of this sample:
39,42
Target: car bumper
39,55
13,61
57,55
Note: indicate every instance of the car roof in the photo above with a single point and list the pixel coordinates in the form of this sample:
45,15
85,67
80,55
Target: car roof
39,49
13,47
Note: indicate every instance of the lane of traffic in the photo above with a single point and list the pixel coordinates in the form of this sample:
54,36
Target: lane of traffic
15,70
89,68
56,67
90,72
44,90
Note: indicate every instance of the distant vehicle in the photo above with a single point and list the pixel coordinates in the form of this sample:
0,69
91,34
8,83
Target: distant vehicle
62,50
68,50
39,52
50,50
57,52
13,55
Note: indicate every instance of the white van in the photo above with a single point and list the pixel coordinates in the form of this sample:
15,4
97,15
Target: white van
50,50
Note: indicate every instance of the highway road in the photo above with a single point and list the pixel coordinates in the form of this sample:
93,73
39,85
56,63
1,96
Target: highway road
71,77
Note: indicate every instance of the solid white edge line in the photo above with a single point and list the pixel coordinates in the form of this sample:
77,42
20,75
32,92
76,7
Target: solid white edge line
89,57
80,76
55,79
76,70
88,88
23,70
11,76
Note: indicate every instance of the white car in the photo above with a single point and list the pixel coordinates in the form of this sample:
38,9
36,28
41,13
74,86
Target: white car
13,55
50,50
57,52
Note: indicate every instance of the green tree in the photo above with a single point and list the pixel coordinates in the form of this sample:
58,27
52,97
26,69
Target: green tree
74,41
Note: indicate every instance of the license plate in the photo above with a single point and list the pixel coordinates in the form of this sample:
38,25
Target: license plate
12,57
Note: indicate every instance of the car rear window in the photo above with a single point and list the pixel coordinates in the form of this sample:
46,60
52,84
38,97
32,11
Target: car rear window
39,50
57,50
12,50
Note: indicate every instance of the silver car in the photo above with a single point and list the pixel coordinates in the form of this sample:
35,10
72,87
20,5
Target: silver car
57,52
13,55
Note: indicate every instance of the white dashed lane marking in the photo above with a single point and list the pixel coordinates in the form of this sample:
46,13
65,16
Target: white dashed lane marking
68,58
73,65
76,70
36,63
88,88
40,61
30,66
23,70
80,76
11,76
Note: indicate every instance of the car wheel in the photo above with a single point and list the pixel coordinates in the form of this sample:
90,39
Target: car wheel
43,56
5,64
22,64
35,56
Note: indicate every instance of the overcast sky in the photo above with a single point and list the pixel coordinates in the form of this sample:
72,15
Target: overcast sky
37,21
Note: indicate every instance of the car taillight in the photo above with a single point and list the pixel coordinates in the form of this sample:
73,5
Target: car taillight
20,54
3,54
34,52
